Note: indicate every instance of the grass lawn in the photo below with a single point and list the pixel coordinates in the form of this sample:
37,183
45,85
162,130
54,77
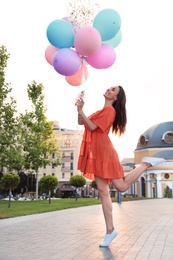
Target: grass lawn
23,208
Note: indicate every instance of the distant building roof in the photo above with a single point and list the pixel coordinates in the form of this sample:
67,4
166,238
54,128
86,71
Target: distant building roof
127,161
157,136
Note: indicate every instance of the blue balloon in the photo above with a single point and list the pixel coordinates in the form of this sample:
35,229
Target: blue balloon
115,41
108,23
60,34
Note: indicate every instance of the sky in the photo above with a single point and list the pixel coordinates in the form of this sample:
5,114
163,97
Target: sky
143,66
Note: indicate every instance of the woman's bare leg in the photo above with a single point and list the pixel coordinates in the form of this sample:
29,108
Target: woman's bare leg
123,184
103,189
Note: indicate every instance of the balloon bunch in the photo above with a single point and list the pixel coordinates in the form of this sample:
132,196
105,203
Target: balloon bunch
82,39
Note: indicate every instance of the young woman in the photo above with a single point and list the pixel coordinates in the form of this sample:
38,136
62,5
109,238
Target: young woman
98,159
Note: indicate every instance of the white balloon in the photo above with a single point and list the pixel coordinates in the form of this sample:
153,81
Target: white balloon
81,13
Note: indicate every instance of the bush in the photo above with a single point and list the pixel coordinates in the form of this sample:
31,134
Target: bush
167,192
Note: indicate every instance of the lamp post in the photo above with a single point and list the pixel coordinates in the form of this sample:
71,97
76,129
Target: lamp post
119,197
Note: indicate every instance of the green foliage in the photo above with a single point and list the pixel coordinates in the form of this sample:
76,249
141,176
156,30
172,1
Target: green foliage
94,185
48,182
38,136
4,87
23,208
10,149
27,142
9,181
77,181
167,192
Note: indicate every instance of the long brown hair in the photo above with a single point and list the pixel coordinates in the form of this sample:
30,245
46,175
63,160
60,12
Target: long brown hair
120,121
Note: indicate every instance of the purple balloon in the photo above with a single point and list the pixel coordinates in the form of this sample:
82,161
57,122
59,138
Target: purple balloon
66,19
67,62
103,58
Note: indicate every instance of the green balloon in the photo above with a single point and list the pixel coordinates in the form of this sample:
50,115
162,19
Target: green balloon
115,41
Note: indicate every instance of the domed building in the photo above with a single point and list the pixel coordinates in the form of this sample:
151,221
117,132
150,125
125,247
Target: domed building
157,141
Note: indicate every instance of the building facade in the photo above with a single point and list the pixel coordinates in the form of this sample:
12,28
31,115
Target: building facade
157,141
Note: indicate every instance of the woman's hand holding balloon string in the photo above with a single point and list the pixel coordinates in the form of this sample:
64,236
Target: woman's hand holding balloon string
80,103
82,118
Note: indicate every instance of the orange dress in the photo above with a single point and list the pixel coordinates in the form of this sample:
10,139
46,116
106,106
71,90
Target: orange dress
97,154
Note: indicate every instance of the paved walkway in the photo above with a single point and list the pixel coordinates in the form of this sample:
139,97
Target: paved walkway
145,233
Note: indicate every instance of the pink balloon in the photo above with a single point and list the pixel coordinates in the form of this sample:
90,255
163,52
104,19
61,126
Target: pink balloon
103,58
87,41
50,52
79,78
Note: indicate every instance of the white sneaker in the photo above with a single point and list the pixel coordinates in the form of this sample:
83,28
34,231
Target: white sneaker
153,160
108,239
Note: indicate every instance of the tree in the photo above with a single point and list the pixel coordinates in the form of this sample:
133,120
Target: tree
9,181
48,183
38,138
27,142
167,192
10,149
77,181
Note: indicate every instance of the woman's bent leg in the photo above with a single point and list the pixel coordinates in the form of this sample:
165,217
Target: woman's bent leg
123,184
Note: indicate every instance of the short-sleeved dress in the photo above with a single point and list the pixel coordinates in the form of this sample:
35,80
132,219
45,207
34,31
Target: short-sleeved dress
97,154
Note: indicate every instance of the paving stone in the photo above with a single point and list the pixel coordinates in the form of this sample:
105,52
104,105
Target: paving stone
145,232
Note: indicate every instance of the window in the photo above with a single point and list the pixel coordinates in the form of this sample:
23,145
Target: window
143,140
168,137
53,155
44,166
53,174
67,143
166,175
63,165
71,156
71,166
71,174
53,166
44,174
65,186
63,175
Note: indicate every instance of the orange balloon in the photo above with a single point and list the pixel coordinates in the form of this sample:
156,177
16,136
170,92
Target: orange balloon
79,77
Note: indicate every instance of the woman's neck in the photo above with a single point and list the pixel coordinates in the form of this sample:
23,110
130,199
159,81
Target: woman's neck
108,103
